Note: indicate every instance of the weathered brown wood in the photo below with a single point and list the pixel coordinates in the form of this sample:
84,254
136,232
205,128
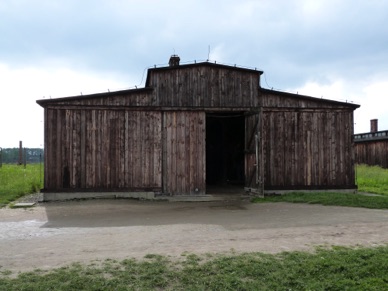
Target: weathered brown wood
154,138
205,86
308,143
90,148
372,152
185,151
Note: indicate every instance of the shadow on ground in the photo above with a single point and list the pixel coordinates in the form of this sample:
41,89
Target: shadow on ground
127,212
232,214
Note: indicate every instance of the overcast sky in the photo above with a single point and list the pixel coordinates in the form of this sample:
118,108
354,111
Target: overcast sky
332,49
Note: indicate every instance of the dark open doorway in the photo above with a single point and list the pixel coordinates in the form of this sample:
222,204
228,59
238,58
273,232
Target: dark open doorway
225,152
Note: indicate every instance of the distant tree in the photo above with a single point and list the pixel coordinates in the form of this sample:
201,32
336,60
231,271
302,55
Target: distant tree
11,155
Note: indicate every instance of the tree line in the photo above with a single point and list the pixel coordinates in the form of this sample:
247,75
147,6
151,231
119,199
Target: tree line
30,155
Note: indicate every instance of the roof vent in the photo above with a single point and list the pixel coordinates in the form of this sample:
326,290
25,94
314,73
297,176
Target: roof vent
174,61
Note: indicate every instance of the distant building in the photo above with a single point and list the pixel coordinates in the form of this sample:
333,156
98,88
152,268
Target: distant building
371,148
196,129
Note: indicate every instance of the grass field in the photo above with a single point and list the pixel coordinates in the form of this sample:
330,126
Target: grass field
329,198
372,179
326,269
16,181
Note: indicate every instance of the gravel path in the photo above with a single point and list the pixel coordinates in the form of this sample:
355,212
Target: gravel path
55,234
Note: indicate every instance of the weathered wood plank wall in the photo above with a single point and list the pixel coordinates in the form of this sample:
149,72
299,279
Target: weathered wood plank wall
307,142
205,86
184,153
251,129
154,138
373,152
308,149
102,149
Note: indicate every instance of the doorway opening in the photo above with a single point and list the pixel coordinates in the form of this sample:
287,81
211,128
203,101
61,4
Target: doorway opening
225,134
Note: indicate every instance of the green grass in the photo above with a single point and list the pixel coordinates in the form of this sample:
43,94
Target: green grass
338,268
329,198
16,181
372,179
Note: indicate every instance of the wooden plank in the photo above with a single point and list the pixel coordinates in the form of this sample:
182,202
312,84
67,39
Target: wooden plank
173,161
180,151
77,149
137,151
164,141
105,136
167,167
58,145
121,149
201,184
88,150
112,153
99,148
145,149
82,149
191,150
93,142
131,148
127,149
157,150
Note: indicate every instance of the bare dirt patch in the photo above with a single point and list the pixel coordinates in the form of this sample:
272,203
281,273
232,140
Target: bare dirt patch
55,234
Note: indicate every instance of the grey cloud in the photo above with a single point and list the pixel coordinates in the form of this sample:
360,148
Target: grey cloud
348,38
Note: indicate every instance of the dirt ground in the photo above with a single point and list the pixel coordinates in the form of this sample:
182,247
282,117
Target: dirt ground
55,234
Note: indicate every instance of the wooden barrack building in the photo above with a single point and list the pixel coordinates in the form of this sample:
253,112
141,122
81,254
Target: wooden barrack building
371,148
193,128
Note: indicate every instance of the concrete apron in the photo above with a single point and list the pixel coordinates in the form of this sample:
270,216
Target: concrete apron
63,196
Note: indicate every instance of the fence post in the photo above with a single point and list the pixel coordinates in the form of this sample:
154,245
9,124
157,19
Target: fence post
25,158
20,162
1,157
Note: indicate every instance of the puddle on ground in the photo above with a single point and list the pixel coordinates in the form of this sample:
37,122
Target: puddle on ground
28,229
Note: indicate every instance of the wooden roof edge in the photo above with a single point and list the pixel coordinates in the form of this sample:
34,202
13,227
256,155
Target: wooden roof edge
361,140
206,63
371,136
334,102
43,102
199,64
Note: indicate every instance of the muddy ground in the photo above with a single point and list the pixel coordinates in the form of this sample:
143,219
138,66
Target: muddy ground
55,234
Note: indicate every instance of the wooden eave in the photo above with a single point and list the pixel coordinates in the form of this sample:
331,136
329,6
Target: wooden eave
47,102
371,136
310,98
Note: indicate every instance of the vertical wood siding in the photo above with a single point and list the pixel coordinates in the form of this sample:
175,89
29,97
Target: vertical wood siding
184,153
155,138
308,149
205,86
102,149
372,153
251,129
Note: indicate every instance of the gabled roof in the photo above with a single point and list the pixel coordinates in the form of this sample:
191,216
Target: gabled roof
148,88
201,64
